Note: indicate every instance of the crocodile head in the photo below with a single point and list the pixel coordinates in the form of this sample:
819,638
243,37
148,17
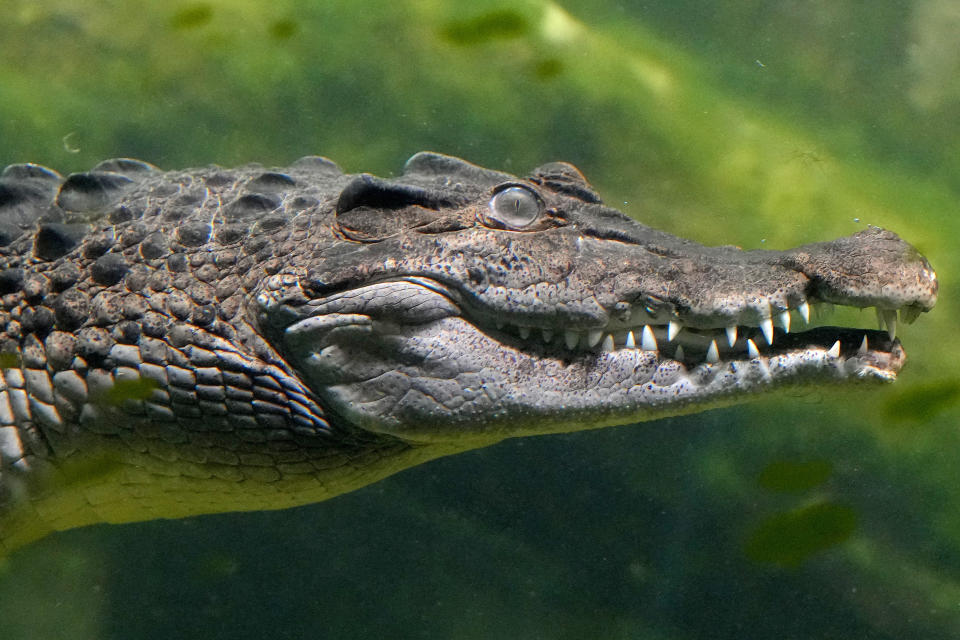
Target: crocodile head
207,340
459,303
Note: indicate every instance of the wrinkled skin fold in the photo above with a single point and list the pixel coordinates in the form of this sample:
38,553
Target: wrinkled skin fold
199,341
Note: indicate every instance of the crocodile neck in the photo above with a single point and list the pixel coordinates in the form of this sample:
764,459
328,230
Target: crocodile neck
128,492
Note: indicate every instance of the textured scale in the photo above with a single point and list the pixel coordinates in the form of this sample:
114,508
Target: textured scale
116,275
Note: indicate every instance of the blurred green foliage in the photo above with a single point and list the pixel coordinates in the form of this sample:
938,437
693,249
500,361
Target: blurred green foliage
788,539
762,123
792,477
191,16
487,27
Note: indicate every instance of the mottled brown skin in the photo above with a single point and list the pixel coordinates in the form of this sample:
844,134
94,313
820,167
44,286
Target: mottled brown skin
209,340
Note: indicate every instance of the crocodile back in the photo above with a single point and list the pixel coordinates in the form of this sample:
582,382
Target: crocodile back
123,332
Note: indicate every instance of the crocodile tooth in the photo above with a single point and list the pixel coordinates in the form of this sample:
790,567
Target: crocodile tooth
880,323
547,335
593,337
630,343
890,319
804,310
713,355
678,356
524,332
784,319
647,341
607,343
732,335
673,328
571,338
766,325
834,351
752,350
863,346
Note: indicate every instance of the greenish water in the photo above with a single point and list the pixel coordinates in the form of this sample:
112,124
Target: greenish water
756,123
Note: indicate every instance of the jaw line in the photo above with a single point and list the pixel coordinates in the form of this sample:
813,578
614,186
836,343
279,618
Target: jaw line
444,301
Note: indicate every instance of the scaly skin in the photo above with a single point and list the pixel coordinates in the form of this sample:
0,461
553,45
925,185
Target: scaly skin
187,342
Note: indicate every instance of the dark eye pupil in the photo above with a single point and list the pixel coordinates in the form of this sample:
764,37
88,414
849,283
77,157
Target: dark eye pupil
515,207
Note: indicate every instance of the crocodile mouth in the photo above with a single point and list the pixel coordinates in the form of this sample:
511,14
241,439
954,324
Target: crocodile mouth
638,332
440,358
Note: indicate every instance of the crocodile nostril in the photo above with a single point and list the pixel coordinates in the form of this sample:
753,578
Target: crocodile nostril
477,275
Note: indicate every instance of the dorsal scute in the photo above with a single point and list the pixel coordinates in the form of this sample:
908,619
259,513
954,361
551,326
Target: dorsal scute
430,167
315,166
565,178
130,167
25,194
30,171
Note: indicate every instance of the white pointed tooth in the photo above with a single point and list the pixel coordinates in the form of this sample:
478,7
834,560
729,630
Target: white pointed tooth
834,351
863,346
784,319
678,356
752,350
630,343
593,337
607,343
732,335
713,354
647,341
766,325
890,319
880,322
547,335
673,328
524,332
804,310
571,338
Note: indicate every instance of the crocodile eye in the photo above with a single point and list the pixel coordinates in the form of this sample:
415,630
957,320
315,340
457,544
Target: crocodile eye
515,207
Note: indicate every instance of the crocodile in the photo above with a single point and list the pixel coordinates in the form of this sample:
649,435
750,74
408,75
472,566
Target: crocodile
176,343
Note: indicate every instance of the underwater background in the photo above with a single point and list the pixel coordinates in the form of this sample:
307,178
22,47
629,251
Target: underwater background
761,123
